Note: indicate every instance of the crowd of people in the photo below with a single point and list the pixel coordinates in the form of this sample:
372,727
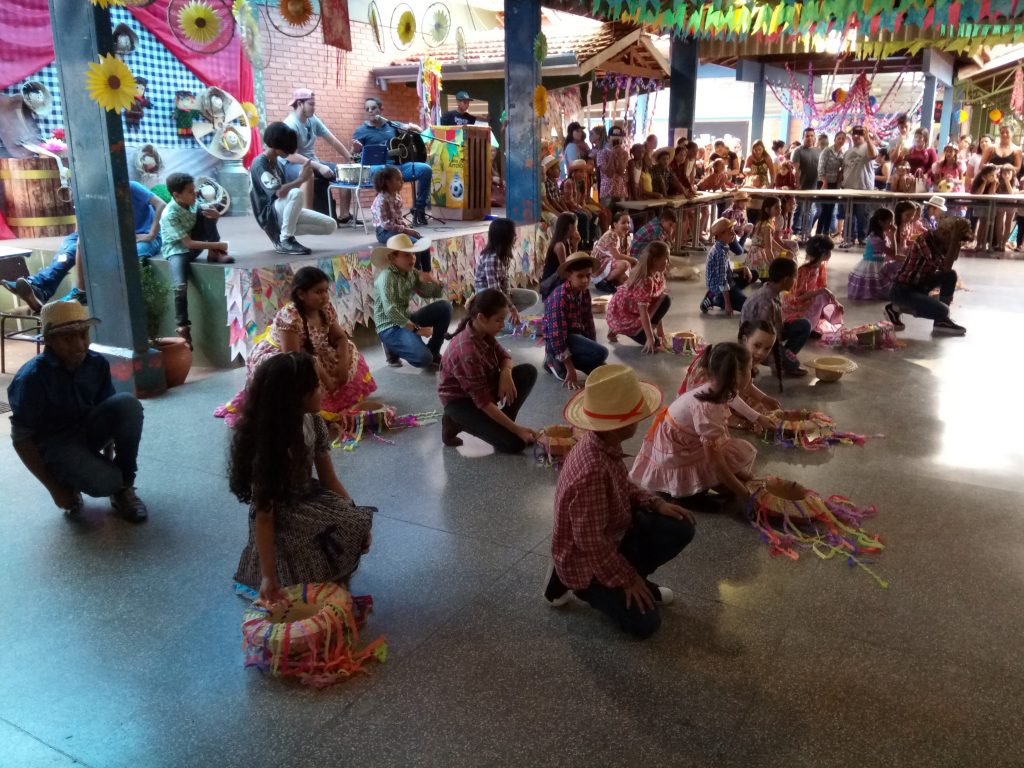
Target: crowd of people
612,527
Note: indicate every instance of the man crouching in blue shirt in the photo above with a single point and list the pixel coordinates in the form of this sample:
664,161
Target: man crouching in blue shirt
66,415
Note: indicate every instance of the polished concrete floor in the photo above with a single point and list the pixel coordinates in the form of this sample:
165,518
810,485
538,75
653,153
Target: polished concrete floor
123,642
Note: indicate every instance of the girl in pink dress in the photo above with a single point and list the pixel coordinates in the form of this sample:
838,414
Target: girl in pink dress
810,298
688,450
612,248
638,306
909,227
310,324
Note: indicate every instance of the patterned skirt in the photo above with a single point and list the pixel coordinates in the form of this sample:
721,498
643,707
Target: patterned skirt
319,537
871,280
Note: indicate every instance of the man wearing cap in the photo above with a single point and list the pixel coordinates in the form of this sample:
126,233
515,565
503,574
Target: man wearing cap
612,160
66,415
859,173
309,127
610,535
460,115
401,334
377,130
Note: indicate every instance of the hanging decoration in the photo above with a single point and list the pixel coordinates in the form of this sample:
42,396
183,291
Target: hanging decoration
110,83
540,48
107,3
1017,94
428,88
540,101
839,95
405,27
996,116
198,22
297,13
437,24
376,25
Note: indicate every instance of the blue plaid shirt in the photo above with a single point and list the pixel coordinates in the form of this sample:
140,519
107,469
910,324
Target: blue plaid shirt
490,273
718,270
644,236
566,311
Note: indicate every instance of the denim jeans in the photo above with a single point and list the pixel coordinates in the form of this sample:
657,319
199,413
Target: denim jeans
479,424
409,346
735,294
203,231
826,212
859,226
586,354
418,172
76,460
423,261
651,542
917,302
46,281
656,317
806,210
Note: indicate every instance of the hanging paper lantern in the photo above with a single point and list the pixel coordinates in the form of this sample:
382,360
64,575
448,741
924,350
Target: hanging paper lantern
540,100
996,116
839,95
296,12
198,22
873,101
110,83
963,115
406,27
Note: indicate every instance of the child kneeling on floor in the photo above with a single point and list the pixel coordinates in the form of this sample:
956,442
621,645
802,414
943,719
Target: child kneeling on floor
570,338
609,534
688,450
301,530
637,308
724,284
766,305
480,389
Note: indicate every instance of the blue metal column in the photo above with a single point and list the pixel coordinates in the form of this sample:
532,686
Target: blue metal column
99,181
757,114
682,99
928,104
947,125
522,75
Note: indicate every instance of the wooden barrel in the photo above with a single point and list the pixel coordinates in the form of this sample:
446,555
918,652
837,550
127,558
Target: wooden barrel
34,201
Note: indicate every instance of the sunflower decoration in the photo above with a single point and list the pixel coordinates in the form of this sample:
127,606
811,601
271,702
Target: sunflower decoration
406,27
199,22
296,12
540,100
107,3
238,6
540,48
110,83
251,113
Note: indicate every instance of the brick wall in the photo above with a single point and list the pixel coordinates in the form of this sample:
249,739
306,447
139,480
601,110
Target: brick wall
342,81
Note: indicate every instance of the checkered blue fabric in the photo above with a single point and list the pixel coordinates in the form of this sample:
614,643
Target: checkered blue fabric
164,74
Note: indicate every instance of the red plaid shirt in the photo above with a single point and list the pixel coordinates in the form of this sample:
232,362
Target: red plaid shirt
922,264
566,311
470,368
594,506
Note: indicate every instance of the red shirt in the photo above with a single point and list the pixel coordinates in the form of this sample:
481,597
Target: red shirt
470,368
594,505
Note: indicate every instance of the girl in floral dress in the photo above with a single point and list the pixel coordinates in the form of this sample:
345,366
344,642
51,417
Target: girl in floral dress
309,323
612,249
637,307
764,244
810,298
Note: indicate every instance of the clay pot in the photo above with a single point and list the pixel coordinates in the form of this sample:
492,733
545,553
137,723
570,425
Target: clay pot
177,359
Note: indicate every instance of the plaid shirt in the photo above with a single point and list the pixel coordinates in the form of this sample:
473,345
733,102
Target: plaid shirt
387,211
566,311
739,216
922,264
176,222
490,273
552,190
594,503
392,290
644,236
470,368
830,163
718,269
764,305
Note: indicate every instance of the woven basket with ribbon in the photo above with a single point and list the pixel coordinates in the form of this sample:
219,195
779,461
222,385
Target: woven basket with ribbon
312,636
810,430
554,443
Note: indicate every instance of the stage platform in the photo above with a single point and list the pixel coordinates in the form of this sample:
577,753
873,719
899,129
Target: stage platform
229,304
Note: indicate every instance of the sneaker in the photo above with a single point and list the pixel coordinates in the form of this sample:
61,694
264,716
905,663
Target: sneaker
27,293
894,317
9,285
76,294
846,245
555,369
948,328
555,592
292,247
129,506
450,432
662,595
707,303
392,359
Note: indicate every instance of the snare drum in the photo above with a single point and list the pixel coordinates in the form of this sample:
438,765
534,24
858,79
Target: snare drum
354,173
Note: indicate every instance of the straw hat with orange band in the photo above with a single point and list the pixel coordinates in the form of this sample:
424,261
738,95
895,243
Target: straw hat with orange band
613,397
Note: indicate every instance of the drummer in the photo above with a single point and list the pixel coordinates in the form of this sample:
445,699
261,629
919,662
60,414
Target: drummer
308,126
460,115
379,131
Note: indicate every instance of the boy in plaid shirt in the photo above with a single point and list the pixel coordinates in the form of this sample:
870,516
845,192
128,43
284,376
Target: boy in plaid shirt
569,333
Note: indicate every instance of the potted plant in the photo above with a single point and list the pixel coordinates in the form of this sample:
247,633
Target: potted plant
176,353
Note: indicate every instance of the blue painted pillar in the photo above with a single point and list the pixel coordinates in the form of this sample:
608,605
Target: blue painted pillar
928,104
682,98
757,115
522,75
948,123
99,183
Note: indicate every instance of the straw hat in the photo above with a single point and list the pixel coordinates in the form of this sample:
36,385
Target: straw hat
403,243
577,258
65,317
721,225
740,197
613,397
578,165
548,161
936,202
833,368
36,97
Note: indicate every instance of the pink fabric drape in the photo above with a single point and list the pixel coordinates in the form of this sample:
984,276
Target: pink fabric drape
26,42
